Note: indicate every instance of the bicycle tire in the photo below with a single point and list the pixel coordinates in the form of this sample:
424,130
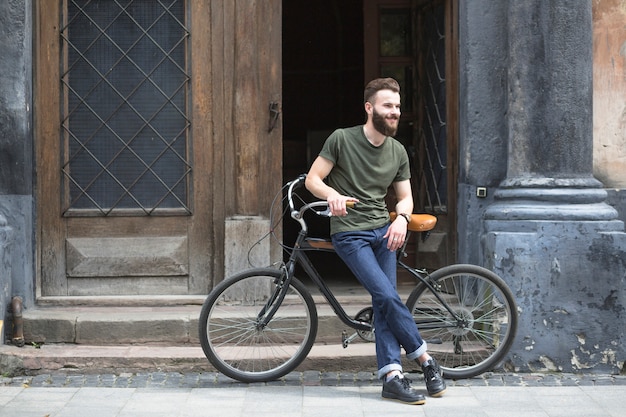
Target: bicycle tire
488,308
231,339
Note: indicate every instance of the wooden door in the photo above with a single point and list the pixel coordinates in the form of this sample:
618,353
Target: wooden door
138,160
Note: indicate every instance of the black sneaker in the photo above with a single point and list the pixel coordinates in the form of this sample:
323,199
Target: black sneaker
435,384
400,389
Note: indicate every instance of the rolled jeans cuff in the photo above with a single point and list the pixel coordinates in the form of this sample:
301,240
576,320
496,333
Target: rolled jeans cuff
388,368
419,352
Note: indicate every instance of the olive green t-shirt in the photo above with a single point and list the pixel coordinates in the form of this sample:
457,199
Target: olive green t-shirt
363,171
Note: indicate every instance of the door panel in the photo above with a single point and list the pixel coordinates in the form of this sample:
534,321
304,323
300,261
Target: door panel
126,257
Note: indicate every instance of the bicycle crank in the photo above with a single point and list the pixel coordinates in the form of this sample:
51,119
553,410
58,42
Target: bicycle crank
364,316
367,316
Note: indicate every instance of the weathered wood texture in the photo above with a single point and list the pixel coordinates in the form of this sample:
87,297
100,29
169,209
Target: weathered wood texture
235,66
51,231
247,78
202,223
251,81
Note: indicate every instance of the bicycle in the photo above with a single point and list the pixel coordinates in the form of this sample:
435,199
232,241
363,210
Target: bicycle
260,324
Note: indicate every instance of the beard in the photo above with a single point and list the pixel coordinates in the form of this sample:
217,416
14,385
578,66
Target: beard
383,125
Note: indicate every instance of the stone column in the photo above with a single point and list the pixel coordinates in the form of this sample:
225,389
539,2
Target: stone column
549,232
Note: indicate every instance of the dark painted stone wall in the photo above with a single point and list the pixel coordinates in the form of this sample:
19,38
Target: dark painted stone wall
15,74
16,153
570,295
550,89
482,110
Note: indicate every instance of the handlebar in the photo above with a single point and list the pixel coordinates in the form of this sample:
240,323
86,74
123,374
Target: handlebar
294,185
297,214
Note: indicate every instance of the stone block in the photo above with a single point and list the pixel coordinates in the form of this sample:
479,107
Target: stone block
49,330
243,248
568,280
141,328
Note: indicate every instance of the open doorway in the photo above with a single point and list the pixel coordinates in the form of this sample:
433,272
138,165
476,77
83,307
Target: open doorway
323,80
331,48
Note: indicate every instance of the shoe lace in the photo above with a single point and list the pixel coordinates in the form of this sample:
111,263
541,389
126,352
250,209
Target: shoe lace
406,383
431,372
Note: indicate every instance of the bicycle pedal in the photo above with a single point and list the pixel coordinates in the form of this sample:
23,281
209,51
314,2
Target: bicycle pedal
346,340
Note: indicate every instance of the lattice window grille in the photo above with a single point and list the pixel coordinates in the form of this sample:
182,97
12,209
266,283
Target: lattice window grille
125,117
432,130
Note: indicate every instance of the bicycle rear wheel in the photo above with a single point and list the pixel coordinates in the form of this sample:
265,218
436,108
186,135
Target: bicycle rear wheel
235,342
488,319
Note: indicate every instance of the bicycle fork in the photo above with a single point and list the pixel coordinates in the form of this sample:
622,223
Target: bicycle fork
275,300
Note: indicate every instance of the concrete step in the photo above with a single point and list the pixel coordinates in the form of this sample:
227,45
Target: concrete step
168,324
133,336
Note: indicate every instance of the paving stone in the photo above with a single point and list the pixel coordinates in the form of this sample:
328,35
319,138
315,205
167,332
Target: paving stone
107,380
293,379
307,378
207,380
75,381
329,378
311,378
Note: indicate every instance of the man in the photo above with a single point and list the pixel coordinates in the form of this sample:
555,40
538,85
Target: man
360,164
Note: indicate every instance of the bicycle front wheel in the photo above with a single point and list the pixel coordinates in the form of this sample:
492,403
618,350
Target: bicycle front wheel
486,319
232,331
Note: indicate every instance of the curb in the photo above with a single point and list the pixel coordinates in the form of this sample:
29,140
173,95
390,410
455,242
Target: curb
71,358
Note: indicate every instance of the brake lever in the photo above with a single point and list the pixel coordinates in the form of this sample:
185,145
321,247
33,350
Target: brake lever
325,213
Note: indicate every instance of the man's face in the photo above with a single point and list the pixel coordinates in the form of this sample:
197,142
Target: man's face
386,112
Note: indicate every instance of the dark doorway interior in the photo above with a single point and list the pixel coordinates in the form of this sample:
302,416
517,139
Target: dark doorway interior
323,79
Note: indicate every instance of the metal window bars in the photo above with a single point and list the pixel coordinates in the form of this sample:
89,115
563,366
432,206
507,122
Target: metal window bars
430,165
125,125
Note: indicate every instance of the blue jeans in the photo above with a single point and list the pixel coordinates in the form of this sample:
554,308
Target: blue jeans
367,256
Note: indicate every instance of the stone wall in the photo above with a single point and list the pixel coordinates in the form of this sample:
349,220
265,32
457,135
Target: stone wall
16,148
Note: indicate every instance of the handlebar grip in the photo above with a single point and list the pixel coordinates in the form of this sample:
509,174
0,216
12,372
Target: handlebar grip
351,204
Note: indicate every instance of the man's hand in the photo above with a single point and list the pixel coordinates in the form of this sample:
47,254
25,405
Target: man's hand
315,184
337,204
396,234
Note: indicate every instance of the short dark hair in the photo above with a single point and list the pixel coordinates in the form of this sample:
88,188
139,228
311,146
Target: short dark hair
378,84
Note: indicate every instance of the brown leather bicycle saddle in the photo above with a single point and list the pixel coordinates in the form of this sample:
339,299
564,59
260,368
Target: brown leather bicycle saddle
419,222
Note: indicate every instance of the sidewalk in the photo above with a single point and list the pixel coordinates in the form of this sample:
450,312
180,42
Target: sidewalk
306,394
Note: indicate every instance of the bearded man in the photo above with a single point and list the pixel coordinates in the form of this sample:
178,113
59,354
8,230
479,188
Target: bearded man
360,163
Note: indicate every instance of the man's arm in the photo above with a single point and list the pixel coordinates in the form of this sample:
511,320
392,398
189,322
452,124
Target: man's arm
396,233
404,197
315,184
